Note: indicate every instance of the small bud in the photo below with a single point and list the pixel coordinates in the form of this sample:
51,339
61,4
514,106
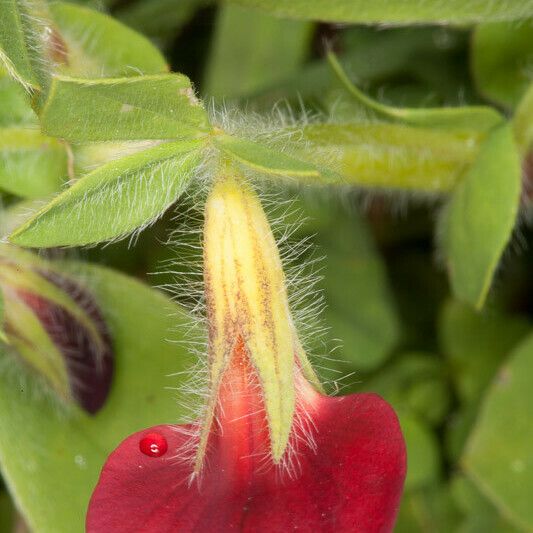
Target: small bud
246,299
54,325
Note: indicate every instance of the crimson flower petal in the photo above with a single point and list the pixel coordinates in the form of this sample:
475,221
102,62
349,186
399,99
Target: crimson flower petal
350,480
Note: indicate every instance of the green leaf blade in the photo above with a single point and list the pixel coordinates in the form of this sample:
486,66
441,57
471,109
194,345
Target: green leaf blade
97,46
394,11
108,109
31,164
14,53
115,199
501,53
480,118
499,455
244,42
264,159
481,215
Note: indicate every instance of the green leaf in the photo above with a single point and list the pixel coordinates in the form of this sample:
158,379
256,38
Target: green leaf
15,109
414,383
458,118
60,451
23,24
501,53
476,344
360,310
116,109
264,159
480,217
428,510
480,515
394,11
31,164
499,455
115,199
380,155
523,123
97,46
244,42
422,453
17,213
161,20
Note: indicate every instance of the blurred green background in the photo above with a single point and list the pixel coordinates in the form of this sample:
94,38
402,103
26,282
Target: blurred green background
459,378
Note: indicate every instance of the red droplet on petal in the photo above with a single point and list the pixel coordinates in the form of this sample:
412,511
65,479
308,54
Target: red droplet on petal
153,445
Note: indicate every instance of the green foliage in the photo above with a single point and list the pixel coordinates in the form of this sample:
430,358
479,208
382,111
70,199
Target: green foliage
31,164
523,123
97,46
391,156
160,20
14,110
499,456
60,449
455,118
480,515
423,453
109,109
481,216
264,159
244,42
476,345
502,54
99,139
394,11
23,52
353,270
430,509
115,199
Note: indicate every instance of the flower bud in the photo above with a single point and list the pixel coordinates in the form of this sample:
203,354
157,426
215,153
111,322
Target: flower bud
54,325
246,300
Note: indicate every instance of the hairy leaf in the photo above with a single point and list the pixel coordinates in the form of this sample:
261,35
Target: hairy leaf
264,159
138,108
115,199
96,46
25,41
381,155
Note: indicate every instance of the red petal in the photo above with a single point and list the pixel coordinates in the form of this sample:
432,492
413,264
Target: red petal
351,482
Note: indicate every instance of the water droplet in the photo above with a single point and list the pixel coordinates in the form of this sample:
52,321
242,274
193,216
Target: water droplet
153,445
